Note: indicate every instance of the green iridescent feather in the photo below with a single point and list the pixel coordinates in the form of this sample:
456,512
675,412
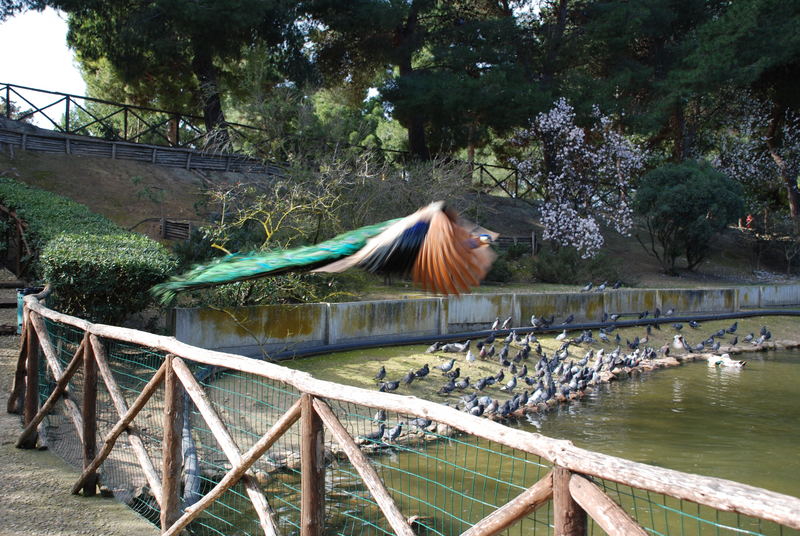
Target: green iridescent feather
241,267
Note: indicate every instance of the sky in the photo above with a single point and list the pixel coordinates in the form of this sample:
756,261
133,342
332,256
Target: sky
43,60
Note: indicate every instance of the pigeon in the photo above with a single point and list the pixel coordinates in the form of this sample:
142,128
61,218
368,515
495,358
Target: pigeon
508,387
669,312
376,436
389,386
601,287
445,367
456,347
496,324
463,383
614,317
470,356
394,432
380,416
433,347
677,326
420,422
694,324
455,373
381,374
506,323
643,314
588,287
568,320
511,336
617,285
733,327
421,373
408,378
447,388
561,336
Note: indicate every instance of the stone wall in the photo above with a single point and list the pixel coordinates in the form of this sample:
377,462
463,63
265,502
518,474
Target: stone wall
283,328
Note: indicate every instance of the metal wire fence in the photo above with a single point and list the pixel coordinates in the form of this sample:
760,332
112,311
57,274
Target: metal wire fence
444,479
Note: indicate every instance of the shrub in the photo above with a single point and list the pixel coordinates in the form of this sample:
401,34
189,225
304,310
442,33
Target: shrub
684,206
96,270
565,265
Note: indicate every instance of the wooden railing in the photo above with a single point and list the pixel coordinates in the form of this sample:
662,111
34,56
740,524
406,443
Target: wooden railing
152,127
569,484
80,115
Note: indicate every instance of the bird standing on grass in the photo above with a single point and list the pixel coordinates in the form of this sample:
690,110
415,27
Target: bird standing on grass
440,251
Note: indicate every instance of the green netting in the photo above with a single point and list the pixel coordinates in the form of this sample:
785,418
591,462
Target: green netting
445,481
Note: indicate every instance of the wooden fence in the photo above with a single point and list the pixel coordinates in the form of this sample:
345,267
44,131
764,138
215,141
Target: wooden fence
569,484
105,129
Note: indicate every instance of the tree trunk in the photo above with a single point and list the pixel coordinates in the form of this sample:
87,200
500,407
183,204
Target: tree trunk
414,123
214,118
789,181
555,40
678,124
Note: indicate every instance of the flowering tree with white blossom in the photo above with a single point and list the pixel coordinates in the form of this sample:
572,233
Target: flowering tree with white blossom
582,175
761,150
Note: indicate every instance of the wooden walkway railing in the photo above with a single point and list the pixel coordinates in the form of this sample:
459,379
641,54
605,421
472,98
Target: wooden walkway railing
101,128
569,484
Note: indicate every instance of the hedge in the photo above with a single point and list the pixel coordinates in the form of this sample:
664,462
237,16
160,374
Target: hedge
97,270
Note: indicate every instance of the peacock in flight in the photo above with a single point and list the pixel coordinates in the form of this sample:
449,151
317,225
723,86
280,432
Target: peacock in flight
440,251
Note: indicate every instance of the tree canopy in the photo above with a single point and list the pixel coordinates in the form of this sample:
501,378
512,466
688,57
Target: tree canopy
679,80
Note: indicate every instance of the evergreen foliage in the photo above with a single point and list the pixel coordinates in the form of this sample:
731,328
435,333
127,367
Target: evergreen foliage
97,271
684,206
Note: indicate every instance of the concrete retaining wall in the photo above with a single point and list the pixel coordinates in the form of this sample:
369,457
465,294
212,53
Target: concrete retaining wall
278,328
381,320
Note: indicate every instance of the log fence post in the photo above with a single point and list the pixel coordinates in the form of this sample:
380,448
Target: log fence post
89,415
31,400
171,446
569,519
312,470
17,395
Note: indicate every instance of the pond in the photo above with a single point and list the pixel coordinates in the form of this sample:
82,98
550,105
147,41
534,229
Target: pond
742,424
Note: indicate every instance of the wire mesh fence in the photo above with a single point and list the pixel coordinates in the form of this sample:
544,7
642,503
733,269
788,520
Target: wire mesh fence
444,480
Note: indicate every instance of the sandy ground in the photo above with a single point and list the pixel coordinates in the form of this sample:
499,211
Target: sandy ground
35,496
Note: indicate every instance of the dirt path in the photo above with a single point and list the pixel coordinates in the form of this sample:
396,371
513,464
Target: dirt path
35,497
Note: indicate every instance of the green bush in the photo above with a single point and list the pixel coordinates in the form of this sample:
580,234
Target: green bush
566,266
96,270
684,206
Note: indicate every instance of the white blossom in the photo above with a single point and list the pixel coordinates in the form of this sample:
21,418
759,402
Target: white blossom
744,154
583,176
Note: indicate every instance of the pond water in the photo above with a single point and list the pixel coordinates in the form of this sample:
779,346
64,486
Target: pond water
742,424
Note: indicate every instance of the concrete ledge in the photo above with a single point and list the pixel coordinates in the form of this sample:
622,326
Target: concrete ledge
280,328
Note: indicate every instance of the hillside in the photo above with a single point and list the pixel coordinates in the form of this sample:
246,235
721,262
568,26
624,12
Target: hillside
130,192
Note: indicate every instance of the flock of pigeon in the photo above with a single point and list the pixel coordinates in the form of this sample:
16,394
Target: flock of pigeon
527,378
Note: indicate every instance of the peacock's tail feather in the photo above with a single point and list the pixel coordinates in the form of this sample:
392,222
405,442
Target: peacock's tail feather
244,266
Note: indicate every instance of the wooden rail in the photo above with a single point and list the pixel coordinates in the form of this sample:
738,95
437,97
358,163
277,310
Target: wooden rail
102,128
569,485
